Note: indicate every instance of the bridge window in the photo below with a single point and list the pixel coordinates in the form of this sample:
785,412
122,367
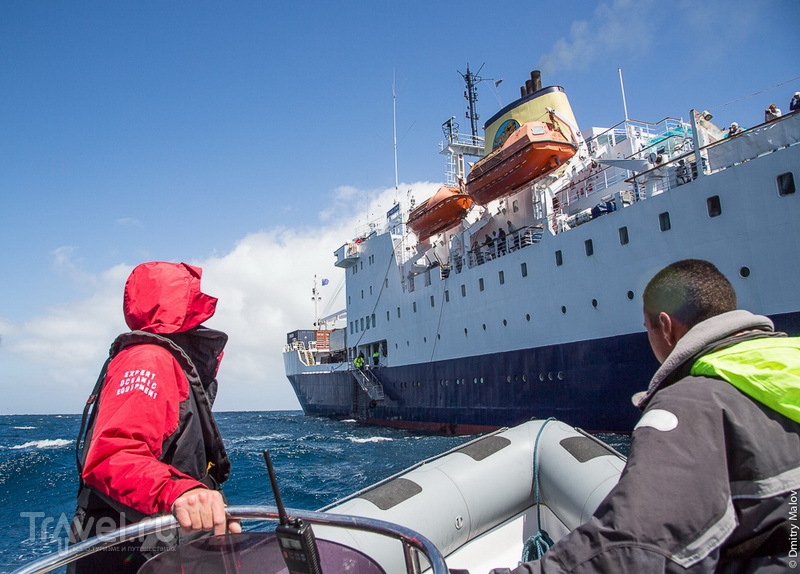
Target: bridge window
523,267
623,236
559,259
588,246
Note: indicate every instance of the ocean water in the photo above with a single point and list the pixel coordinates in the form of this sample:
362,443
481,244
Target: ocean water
318,461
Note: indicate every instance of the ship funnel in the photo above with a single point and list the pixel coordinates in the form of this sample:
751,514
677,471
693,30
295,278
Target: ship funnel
533,85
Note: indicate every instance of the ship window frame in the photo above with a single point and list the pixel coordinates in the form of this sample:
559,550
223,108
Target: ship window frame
446,296
664,221
374,324
414,306
362,323
714,206
785,183
463,290
481,285
398,312
387,316
588,247
501,277
559,258
624,238
523,268
433,302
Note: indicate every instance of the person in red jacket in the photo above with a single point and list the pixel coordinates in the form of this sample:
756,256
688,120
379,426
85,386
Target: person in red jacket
152,446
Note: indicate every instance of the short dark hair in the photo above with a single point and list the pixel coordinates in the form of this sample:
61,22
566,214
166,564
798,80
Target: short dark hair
691,291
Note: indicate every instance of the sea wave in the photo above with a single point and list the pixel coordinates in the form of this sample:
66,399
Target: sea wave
46,443
23,428
369,439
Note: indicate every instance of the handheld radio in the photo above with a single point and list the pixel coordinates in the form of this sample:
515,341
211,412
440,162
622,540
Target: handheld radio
296,539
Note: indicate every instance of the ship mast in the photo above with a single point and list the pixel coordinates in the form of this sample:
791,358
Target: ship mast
458,145
471,95
315,296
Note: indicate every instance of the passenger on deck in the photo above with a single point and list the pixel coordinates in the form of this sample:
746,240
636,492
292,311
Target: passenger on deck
501,242
794,104
734,129
512,231
714,464
773,112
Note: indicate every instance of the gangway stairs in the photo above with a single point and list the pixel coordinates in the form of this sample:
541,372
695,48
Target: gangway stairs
369,383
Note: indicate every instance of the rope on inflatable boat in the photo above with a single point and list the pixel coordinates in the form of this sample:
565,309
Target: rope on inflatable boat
539,543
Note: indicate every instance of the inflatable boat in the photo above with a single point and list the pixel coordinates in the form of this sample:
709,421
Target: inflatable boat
473,508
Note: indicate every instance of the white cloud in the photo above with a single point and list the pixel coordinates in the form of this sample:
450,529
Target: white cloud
621,26
264,289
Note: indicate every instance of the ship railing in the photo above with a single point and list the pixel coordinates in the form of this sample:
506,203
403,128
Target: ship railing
369,383
720,155
514,240
416,549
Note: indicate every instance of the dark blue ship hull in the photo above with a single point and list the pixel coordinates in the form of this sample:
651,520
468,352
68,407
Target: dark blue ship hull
587,384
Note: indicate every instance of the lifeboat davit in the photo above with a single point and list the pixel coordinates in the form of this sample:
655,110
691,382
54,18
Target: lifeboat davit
441,211
533,150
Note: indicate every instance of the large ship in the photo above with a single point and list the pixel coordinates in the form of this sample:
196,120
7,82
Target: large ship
520,296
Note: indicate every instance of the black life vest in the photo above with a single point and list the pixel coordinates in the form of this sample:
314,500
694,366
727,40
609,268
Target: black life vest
195,448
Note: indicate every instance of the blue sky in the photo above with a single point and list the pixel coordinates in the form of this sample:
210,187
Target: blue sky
250,138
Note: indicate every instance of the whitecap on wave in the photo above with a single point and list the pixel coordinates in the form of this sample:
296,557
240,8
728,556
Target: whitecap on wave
23,428
370,439
46,443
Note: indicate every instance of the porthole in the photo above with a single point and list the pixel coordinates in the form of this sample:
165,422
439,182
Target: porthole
594,303
550,376
484,326
630,295
475,381
424,339
439,336
541,377
563,310
560,375
524,378
509,378
505,323
528,317
465,331
744,272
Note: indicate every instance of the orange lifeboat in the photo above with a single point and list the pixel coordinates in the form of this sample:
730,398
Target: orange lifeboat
441,211
533,150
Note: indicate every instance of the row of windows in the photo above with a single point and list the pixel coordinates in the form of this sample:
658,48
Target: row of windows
542,377
365,322
785,183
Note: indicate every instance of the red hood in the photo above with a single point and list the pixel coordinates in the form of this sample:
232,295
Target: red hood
165,298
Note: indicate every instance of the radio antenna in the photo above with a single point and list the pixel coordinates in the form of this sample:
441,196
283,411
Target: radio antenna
274,481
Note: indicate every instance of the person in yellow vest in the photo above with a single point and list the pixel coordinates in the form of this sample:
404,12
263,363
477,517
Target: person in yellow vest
359,361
